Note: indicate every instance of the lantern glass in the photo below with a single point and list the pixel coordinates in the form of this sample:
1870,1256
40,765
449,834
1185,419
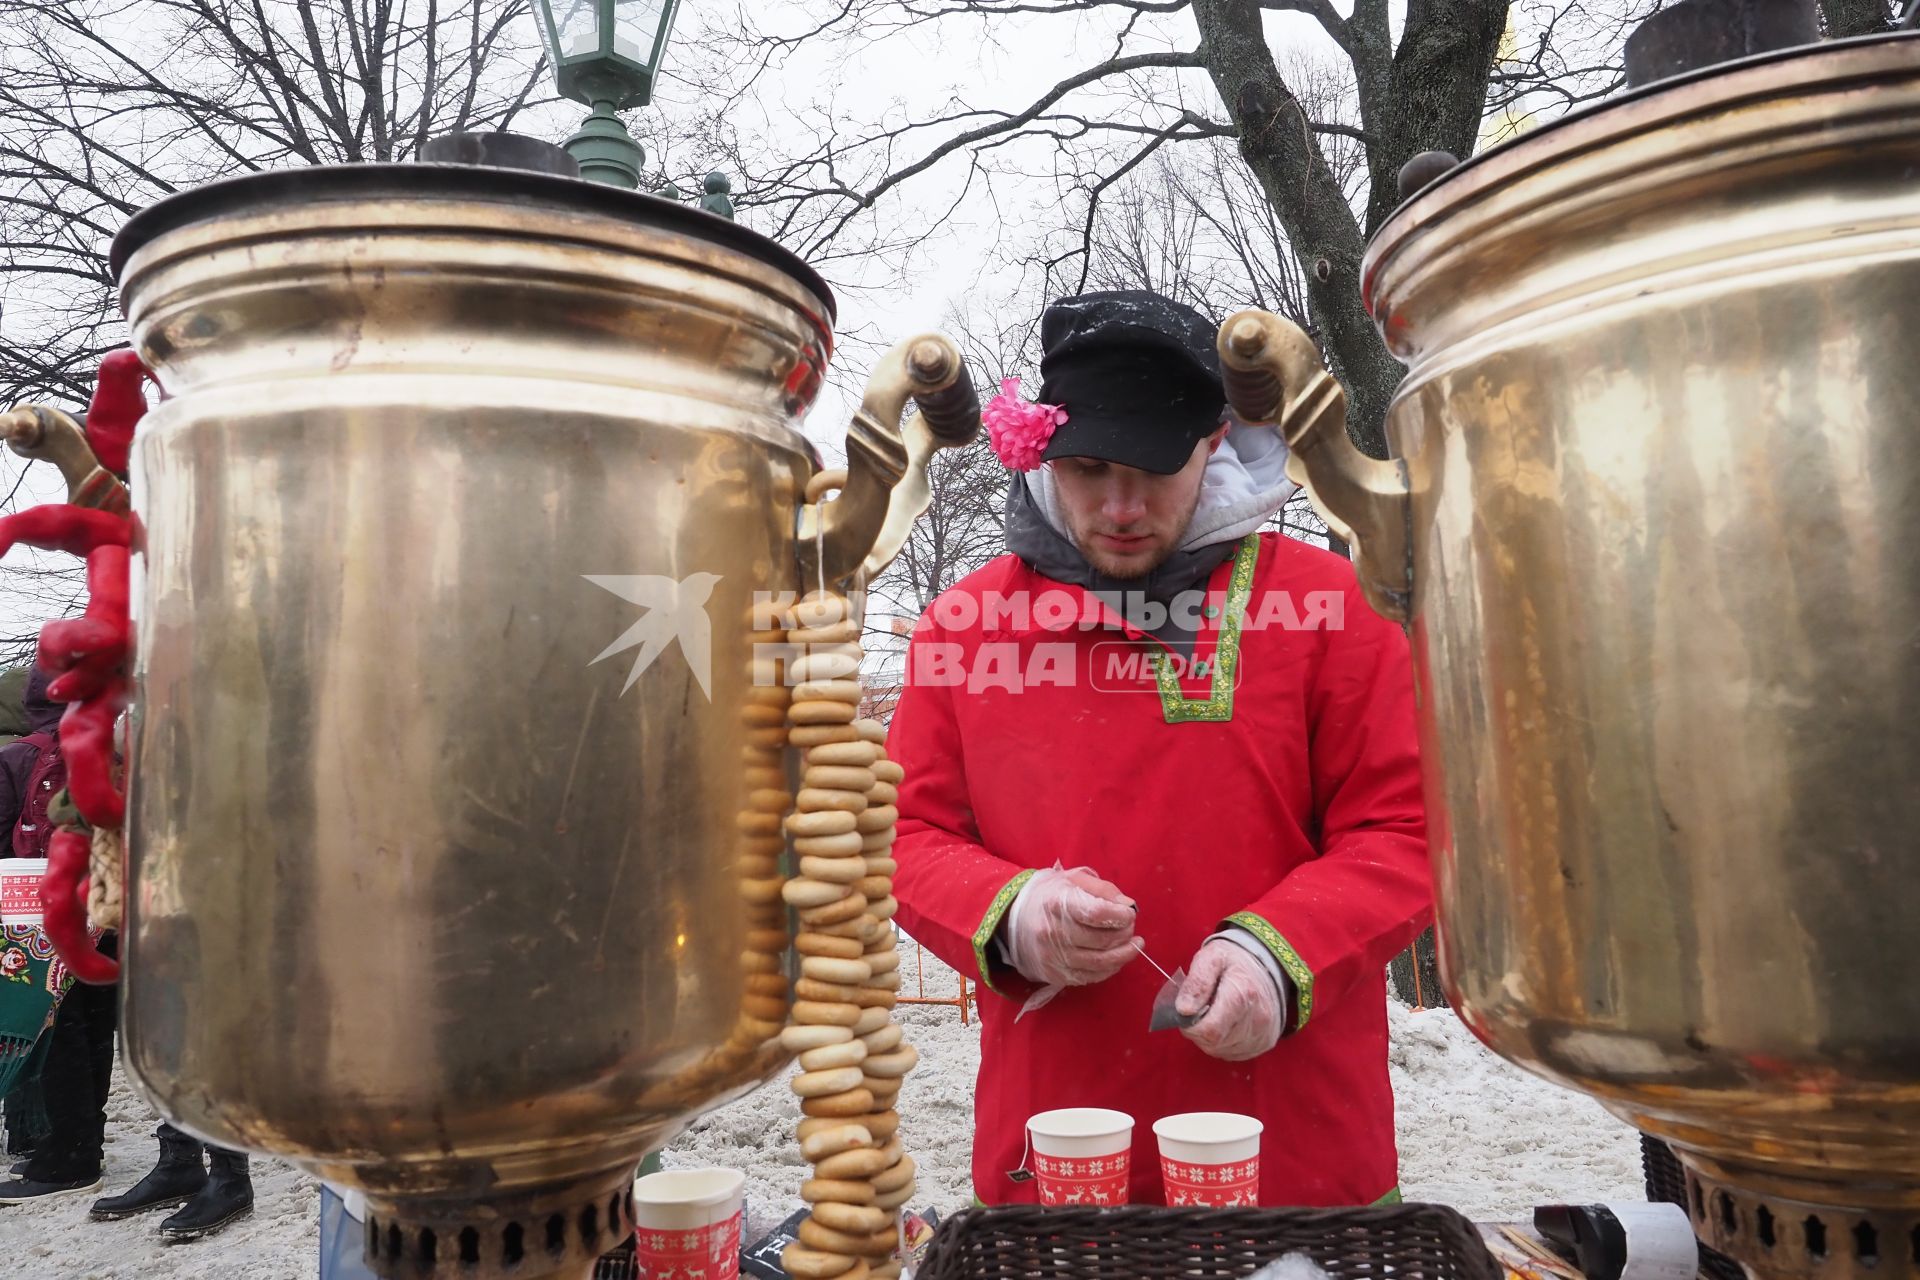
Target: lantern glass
575,29
640,30
606,50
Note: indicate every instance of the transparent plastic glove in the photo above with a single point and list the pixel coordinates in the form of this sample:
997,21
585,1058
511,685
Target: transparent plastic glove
1069,929
1243,1009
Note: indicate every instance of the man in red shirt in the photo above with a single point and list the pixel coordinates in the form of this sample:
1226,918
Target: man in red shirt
1150,727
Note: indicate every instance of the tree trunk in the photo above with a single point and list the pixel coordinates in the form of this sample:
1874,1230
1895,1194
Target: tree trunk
1429,94
1277,142
1415,974
1426,96
1855,17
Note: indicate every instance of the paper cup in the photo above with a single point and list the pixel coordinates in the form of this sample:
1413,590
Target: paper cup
1081,1155
20,890
1210,1158
687,1223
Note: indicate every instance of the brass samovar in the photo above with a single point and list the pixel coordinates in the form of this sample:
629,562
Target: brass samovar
471,499
1651,524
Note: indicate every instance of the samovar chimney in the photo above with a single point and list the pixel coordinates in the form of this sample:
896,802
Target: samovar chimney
499,150
1694,35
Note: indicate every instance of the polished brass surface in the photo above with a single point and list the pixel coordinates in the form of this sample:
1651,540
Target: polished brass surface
1663,490
437,890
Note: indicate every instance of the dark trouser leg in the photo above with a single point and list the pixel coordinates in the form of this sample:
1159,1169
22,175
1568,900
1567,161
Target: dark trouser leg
19,1138
75,1082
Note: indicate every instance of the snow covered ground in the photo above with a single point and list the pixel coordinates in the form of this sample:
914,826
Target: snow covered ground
1475,1133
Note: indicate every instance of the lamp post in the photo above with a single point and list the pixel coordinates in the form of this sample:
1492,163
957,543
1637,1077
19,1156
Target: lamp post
605,54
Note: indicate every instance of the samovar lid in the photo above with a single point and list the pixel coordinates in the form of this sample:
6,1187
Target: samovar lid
520,188
1682,90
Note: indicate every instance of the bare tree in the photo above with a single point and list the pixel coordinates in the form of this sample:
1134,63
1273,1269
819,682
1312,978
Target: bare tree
1320,139
1192,227
1840,19
107,106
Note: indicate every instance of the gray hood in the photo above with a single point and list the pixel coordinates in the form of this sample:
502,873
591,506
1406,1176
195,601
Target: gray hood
1244,485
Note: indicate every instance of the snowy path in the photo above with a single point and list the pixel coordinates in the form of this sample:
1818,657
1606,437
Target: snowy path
1474,1132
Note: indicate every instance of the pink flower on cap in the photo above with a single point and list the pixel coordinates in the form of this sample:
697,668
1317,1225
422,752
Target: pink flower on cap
1019,429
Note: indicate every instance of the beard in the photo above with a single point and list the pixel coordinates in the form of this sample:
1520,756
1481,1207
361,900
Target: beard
1132,566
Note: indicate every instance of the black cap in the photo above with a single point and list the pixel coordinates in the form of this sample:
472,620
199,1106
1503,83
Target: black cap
1138,375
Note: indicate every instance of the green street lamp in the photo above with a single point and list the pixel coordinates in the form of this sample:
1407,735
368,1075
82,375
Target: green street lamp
605,54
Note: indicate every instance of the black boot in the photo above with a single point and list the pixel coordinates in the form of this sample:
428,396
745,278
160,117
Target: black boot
176,1179
27,1189
227,1195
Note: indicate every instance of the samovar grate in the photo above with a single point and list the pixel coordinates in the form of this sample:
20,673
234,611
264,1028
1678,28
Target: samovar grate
1779,1237
534,1237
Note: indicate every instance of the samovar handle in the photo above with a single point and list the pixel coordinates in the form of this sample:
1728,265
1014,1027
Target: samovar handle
1273,374
41,434
886,489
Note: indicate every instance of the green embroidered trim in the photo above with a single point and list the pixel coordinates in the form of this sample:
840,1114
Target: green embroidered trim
1297,971
1218,704
991,921
1392,1197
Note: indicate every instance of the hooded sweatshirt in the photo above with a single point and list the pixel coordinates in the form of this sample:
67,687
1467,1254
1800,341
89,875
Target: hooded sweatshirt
17,758
1244,485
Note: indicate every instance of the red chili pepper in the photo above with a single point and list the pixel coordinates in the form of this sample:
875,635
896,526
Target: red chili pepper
86,739
64,645
106,630
63,904
116,408
95,687
60,526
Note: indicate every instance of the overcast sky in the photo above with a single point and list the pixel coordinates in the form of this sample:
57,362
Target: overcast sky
907,77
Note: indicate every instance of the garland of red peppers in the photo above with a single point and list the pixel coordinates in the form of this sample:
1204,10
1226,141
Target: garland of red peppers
91,655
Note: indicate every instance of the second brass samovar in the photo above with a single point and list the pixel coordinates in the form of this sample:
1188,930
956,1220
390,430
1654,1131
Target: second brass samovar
1650,523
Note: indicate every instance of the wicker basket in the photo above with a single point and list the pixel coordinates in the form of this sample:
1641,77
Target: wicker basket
621,1264
1139,1242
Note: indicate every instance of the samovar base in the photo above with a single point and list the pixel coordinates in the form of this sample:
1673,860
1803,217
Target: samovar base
555,1233
1827,1231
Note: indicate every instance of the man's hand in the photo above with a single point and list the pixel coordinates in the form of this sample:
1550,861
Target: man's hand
1244,1009
1071,928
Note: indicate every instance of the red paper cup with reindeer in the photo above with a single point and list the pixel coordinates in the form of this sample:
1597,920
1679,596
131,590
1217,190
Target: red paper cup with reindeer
1081,1155
1210,1158
20,890
687,1224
